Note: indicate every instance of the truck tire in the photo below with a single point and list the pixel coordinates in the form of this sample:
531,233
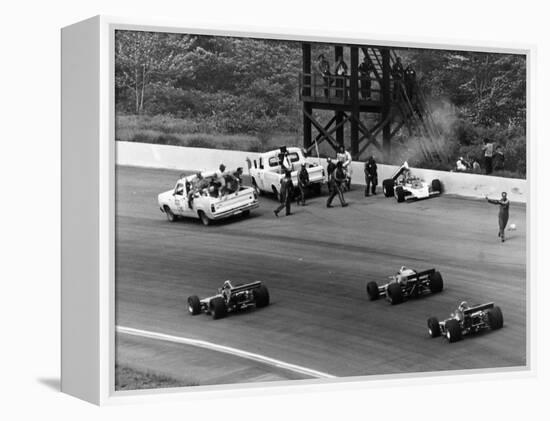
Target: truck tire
387,187
218,309
436,282
373,291
400,194
433,327
436,186
261,296
255,186
453,332
394,293
169,214
204,218
495,318
194,305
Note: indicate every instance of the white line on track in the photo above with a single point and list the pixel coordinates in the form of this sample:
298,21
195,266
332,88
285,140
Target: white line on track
224,349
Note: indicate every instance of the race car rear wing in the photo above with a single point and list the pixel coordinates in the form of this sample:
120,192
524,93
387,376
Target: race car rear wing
480,307
421,275
400,170
246,287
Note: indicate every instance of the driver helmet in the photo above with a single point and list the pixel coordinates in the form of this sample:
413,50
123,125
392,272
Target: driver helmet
227,284
403,269
463,305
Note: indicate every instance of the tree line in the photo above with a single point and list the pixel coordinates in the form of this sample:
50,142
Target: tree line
232,85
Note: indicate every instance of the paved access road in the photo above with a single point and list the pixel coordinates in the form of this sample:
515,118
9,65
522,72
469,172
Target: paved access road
316,264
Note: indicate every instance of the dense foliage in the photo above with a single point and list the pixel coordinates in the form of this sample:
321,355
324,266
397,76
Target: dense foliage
249,87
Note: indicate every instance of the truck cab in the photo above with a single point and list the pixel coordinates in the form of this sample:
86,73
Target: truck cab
269,168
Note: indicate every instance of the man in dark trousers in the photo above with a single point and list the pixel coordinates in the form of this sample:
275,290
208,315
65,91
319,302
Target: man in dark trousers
323,66
331,166
503,213
337,179
371,176
397,74
303,182
488,149
365,69
285,195
410,82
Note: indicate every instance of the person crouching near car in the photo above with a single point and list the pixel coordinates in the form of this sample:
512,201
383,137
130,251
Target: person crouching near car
337,181
285,195
303,182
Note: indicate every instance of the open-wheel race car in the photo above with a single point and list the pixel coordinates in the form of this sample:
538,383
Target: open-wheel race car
230,299
465,320
405,284
405,186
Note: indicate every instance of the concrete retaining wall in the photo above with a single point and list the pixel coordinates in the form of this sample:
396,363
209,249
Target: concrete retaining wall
183,158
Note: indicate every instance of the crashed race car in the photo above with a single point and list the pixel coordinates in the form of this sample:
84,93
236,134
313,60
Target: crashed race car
405,186
230,299
465,320
405,284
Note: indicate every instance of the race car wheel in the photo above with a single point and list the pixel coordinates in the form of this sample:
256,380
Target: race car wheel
261,296
372,291
169,214
246,213
400,194
194,305
394,293
387,187
495,318
433,327
453,330
316,189
436,186
436,282
204,218
218,309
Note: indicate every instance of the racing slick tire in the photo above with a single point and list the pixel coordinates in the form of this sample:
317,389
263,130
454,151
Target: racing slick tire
372,291
387,187
453,330
261,296
400,194
433,327
436,185
316,188
204,218
436,282
194,305
218,309
394,293
169,214
246,213
495,318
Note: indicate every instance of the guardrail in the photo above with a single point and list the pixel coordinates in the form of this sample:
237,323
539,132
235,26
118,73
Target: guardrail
186,158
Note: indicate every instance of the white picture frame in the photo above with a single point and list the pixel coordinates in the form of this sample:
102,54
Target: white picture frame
88,214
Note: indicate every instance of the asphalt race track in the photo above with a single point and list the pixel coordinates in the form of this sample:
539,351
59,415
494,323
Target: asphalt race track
316,264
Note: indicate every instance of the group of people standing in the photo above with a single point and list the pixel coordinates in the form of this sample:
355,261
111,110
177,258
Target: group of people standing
339,172
338,76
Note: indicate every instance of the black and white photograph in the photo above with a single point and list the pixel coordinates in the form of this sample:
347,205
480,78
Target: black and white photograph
292,210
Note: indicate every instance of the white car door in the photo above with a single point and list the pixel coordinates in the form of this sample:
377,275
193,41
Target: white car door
181,205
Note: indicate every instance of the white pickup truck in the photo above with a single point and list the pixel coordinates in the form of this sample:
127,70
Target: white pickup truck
269,168
205,205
